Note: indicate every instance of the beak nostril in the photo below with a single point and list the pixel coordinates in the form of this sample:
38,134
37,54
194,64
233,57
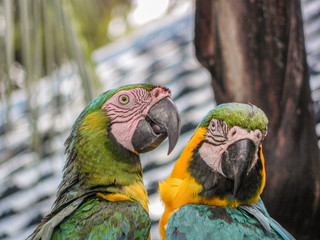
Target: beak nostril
156,94
258,135
160,90
233,133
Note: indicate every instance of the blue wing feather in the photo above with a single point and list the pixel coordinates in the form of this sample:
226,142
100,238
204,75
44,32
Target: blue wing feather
260,212
194,221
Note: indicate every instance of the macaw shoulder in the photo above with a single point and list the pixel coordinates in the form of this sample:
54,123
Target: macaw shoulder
99,219
195,221
184,189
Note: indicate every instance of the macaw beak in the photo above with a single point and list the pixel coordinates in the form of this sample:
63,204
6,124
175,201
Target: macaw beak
162,121
236,162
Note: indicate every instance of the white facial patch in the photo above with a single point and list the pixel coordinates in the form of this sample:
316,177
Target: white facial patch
125,117
212,153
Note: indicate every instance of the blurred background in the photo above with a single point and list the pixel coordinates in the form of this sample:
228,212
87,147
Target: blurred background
56,56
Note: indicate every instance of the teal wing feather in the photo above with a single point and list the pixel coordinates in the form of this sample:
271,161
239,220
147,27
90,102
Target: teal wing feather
208,222
260,212
99,219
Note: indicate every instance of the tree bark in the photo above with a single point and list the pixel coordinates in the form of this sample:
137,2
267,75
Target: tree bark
255,53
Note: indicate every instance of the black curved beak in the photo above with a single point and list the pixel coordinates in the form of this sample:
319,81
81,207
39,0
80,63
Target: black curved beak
162,121
236,162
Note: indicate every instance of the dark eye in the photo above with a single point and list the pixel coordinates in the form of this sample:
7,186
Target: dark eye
124,99
213,125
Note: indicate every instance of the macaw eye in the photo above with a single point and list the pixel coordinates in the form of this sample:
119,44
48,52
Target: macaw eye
212,126
124,99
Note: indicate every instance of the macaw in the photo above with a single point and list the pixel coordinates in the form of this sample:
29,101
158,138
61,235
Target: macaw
102,195
214,189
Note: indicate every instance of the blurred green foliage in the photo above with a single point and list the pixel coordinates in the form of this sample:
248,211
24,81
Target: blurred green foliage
38,36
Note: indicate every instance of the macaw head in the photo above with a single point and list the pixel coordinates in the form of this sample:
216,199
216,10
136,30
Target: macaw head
138,117
228,161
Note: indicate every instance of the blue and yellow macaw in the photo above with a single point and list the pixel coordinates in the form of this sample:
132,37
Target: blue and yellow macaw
214,189
102,195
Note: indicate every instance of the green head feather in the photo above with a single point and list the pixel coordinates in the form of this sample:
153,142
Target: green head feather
243,115
76,143
98,102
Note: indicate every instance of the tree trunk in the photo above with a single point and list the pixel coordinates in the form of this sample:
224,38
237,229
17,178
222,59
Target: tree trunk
255,53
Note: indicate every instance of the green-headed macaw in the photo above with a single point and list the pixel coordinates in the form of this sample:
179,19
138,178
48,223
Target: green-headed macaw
102,195
214,189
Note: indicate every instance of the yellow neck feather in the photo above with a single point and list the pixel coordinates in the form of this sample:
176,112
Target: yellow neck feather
135,192
181,167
